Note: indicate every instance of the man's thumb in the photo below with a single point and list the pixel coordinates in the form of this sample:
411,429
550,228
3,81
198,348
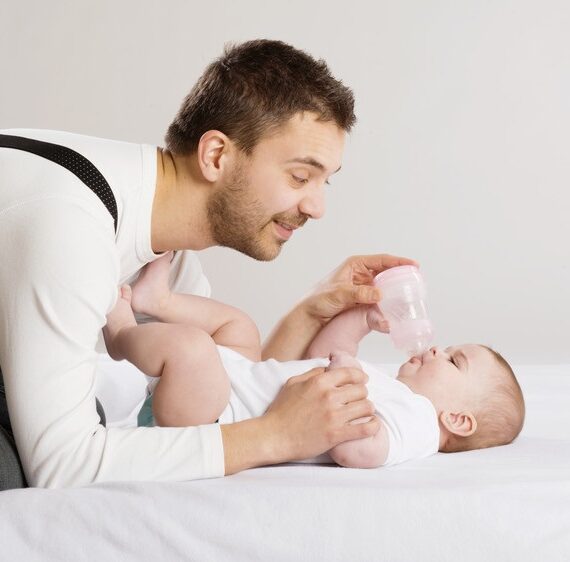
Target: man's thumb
365,294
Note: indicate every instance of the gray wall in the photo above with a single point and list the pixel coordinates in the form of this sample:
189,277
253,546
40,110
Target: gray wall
460,157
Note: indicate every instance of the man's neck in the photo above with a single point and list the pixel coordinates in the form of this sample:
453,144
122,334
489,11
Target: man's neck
179,210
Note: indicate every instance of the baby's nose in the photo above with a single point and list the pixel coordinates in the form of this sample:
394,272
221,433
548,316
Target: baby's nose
431,353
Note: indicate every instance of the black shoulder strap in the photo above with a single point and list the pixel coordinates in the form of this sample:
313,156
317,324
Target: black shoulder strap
73,161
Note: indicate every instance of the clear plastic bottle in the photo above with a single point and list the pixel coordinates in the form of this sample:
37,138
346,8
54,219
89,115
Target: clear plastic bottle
403,305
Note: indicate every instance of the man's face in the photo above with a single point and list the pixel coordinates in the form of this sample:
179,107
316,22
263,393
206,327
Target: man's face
276,189
451,378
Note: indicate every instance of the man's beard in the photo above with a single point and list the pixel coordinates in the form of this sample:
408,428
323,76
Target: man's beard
237,220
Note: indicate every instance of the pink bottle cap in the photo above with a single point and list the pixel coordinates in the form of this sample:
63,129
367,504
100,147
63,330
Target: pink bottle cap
395,273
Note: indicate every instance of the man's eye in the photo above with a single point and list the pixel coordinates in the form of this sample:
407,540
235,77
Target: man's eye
300,180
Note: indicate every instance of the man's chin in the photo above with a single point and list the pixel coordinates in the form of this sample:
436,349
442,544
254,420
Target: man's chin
259,252
266,254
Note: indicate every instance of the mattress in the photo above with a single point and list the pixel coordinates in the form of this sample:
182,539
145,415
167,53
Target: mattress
506,503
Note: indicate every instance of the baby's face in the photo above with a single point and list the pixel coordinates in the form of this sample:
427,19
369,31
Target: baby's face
451,378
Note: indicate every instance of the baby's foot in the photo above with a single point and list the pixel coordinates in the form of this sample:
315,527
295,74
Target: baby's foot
119,318
375,319
151,287
342,359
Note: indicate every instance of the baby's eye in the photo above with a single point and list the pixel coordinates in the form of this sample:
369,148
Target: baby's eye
299,180
452,359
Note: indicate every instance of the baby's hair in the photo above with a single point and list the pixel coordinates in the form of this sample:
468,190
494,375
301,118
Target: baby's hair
500,413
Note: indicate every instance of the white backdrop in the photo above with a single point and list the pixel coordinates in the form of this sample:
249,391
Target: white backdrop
460,157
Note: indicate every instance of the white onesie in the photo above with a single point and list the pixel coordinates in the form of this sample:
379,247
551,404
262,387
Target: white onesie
410,418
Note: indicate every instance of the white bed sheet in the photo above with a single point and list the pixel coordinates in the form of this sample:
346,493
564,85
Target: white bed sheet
507,504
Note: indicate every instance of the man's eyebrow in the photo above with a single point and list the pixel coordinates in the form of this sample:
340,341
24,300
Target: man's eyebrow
311,162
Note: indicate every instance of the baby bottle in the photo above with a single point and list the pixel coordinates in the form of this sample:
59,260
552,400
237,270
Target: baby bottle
403,305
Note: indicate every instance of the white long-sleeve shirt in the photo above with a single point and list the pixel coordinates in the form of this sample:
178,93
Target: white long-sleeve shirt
61,264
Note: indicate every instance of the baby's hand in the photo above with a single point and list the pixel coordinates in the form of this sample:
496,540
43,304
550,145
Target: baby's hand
151,290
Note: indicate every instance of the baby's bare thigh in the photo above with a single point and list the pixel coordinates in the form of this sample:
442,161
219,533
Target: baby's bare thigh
194,387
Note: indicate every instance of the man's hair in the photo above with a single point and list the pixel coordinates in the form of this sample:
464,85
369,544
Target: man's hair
253,89
500,413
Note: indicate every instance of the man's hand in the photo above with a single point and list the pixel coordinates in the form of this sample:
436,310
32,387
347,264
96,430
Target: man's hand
350,284
347,286
312,413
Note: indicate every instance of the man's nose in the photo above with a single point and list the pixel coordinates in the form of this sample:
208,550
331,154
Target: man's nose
313,203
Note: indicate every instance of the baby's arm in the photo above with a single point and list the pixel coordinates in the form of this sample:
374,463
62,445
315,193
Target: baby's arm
344,332
370,452
226,325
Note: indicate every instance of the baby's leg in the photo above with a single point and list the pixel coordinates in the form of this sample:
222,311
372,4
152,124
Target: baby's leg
194,387
119,318
344,332
369,452
342,359
228,326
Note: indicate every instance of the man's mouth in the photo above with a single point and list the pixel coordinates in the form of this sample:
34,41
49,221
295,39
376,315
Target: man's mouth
285,230
287,226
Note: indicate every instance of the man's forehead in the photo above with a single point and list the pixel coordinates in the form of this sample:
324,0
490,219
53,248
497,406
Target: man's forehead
306,139
309,160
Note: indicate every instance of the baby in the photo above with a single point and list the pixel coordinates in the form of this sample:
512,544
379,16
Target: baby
205,358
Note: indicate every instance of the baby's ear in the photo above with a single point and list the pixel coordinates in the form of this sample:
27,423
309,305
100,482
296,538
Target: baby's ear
462,424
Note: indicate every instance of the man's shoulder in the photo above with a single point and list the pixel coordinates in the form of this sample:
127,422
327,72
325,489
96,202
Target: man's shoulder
50,135
70,139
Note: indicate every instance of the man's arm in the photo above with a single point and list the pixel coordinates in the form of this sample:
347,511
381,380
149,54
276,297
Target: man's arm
292,335
312,414
349,285
57,282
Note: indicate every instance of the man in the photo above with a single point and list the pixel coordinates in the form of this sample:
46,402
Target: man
245,165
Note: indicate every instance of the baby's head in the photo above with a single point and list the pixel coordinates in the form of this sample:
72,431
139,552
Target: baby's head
478,400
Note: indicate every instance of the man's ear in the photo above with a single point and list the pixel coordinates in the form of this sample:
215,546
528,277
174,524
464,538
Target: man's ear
213,150
462,424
